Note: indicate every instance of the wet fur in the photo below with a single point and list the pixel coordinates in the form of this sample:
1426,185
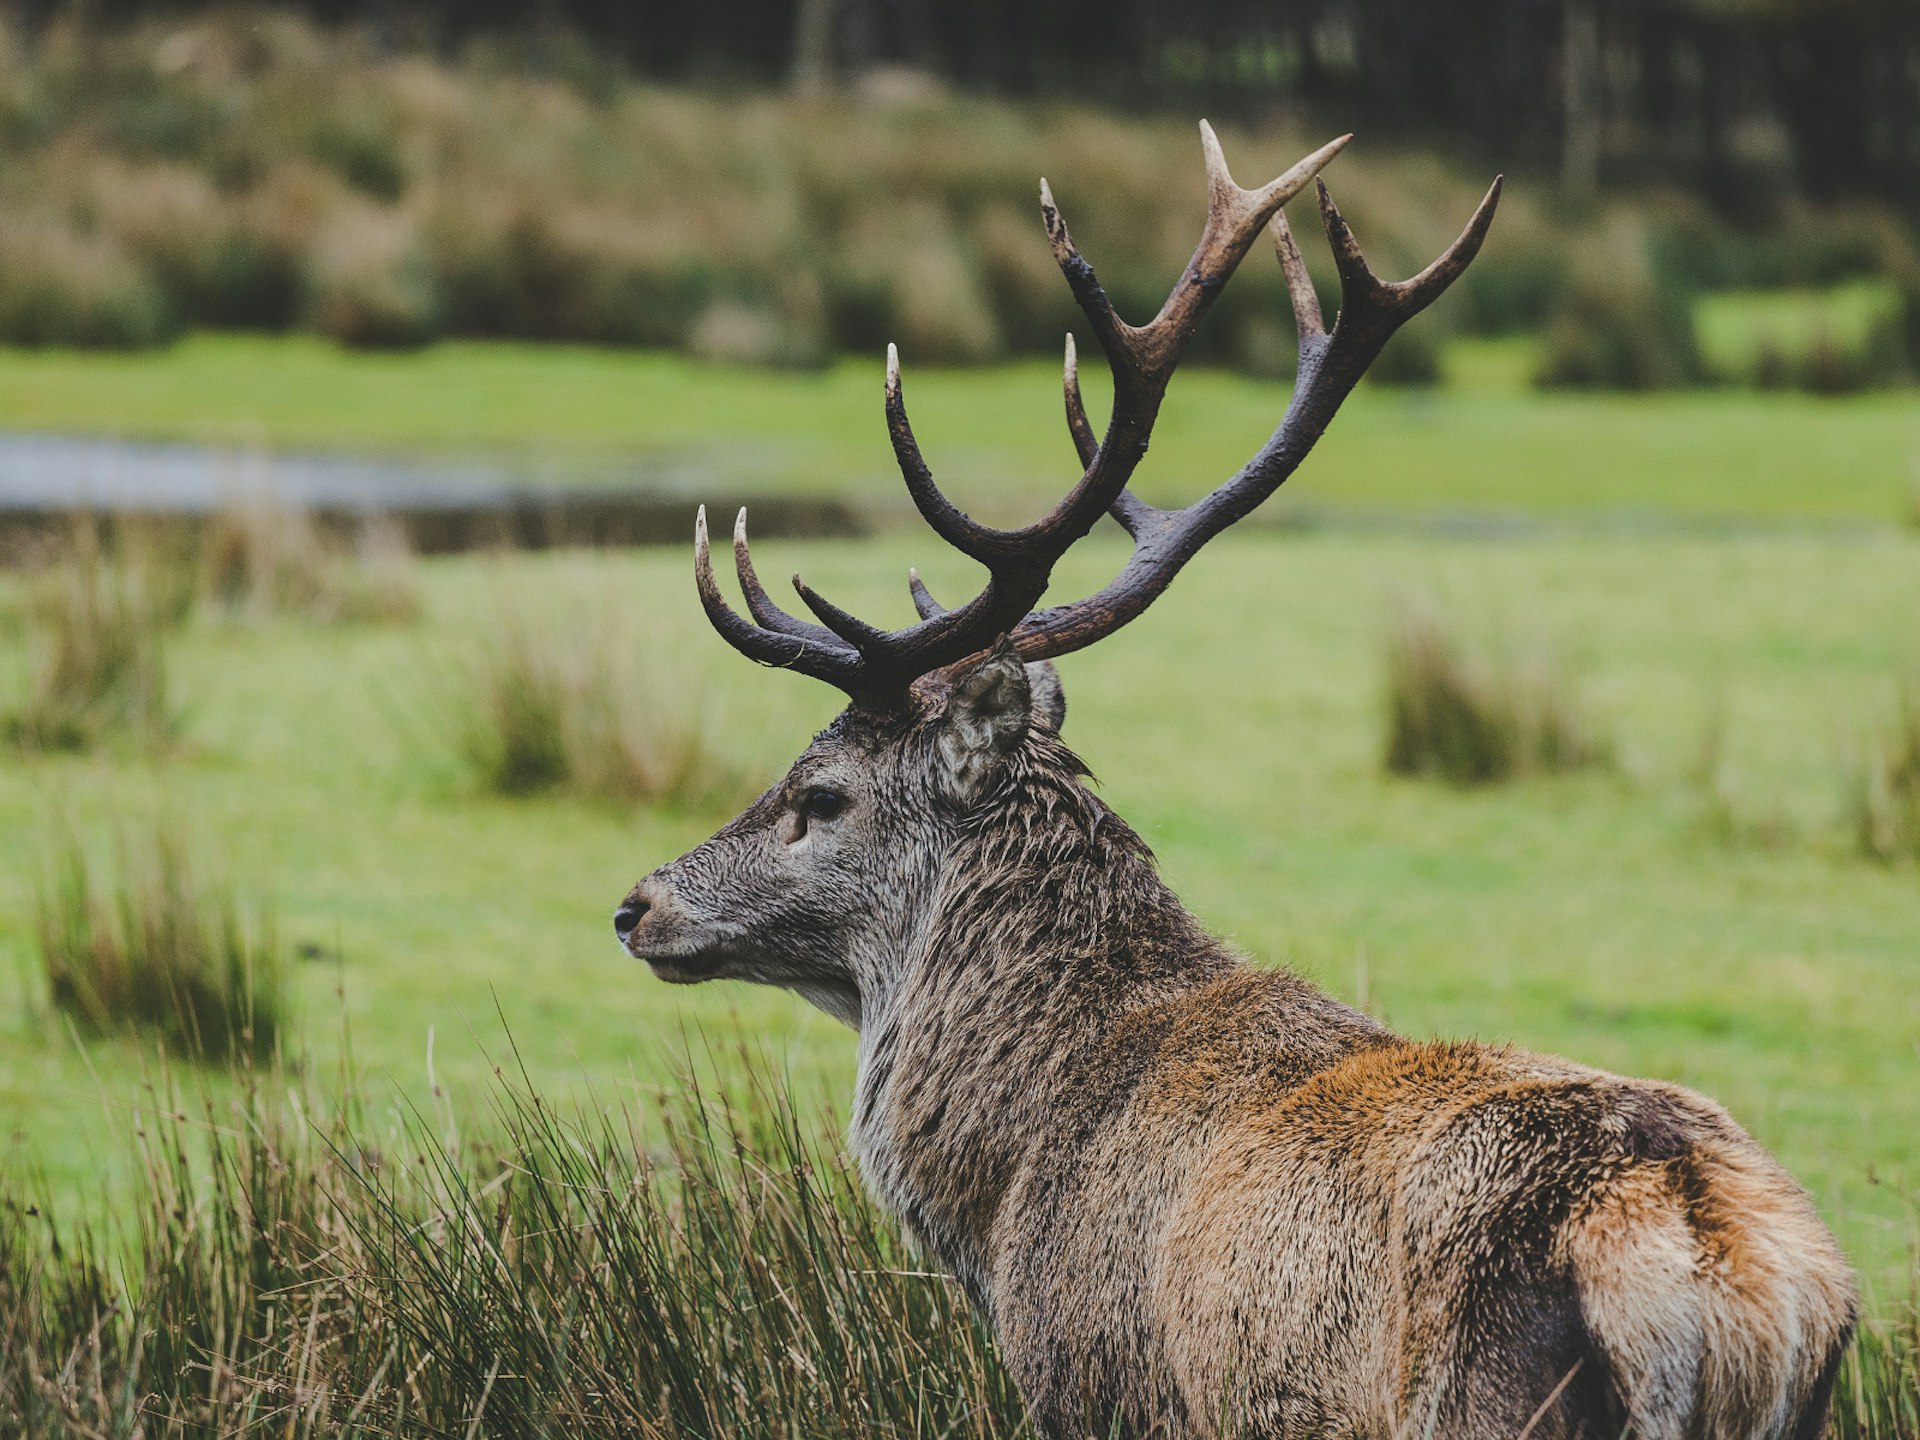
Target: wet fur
1182,1189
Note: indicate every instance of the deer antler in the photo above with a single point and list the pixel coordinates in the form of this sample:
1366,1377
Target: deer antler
876,667
1331,364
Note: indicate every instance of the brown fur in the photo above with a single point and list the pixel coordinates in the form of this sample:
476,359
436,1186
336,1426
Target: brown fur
1196,1199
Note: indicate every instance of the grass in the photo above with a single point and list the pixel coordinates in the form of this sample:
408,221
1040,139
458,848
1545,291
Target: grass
1587,915
95,622
284,1276
1475,721
160,953
557,692
994,436
555,1278
1884,796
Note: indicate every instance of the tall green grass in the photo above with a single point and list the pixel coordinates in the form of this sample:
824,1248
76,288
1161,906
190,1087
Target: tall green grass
1473,719
567,1278
563,697
154,950
95,621
693,1265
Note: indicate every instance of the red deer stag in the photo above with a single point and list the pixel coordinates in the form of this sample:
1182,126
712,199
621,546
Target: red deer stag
1191,1197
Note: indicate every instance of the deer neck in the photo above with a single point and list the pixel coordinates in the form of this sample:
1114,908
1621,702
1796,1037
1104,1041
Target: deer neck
1050,926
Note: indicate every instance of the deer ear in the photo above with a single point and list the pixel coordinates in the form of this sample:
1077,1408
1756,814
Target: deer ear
1049,707
986,716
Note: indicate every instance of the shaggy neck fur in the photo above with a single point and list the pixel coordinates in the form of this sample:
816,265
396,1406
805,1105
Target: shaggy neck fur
1047,926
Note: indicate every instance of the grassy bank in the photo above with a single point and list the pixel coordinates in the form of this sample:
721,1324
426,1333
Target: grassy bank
994,436
1699,911
304,1275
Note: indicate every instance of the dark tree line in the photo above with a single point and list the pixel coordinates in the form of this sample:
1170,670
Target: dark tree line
1730,95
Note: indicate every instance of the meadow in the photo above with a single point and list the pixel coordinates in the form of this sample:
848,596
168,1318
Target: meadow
1725,580
1716,928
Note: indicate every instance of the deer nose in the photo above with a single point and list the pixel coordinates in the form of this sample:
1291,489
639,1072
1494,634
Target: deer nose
630,914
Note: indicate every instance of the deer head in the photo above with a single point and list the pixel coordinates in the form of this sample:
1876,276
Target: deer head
822,884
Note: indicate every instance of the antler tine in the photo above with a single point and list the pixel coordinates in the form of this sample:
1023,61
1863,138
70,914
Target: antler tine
869,640
836,664
1426,287
1078,426
1331,364
1126,508
923,600
1402,299
1235,218
1108,328
1306,300
1144,356
766,614
949,522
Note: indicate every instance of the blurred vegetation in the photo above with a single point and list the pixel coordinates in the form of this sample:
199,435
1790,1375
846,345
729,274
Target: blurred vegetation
160,952
1885,796
1732,98
555,692
261,556
250,169
95,619
1476,720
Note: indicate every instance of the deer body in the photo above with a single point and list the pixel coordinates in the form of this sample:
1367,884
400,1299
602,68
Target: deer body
1182,1189
1193,1198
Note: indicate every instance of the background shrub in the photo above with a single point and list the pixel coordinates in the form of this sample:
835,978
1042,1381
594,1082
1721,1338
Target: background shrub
1411,359
1622,320
247,168
371,284
60,287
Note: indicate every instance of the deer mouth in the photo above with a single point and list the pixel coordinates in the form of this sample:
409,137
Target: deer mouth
683,967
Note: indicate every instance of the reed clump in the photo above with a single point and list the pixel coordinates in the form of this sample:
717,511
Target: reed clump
154,951
1883,797
95,620
295,1277
265,556
543,703
1476,720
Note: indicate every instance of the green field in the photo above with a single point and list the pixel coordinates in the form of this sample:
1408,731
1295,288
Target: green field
994,435
1626,919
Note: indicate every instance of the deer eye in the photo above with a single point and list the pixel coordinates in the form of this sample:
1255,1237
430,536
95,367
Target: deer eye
820,803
